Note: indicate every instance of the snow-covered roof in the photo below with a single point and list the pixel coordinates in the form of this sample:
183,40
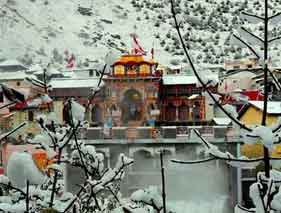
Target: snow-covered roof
11,66
175,67
19,75
34,68
222,120
193,96
11,62
69,74
179,79
184,79
273,107
74,82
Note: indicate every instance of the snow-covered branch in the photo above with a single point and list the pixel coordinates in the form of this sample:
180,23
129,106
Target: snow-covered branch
205,87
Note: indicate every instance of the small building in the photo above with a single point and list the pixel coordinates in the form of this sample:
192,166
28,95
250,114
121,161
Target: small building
182,101
80,89
241,64
237,79
20,112
251,114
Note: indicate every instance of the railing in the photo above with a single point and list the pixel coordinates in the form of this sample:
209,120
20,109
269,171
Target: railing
158,134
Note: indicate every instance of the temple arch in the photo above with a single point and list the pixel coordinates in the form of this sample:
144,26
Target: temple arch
132,106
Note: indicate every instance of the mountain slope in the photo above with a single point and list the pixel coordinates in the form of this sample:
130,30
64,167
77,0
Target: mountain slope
42,30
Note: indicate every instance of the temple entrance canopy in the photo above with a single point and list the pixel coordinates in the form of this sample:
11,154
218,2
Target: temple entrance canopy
132,106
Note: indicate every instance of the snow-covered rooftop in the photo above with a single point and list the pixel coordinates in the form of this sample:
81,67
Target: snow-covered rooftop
179,79
11,62
11,66
184,79
273,107
50,71
175,67
19,75
222,120
34,68
74,83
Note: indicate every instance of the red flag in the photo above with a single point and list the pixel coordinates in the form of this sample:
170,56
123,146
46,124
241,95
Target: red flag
137,49
70,61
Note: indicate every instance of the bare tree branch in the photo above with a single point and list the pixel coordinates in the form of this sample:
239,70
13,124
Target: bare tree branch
252,15
194,162
250,33
248,45
197,75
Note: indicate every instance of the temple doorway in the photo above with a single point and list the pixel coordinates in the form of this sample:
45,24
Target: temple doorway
132,106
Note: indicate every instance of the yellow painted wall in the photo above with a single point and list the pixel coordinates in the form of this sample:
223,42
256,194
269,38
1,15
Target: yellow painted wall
253,116
31,126
19,117
58,110
256,150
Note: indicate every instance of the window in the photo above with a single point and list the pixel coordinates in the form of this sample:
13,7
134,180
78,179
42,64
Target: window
196,115
119,70
236,67
144,69
30,116
170,113
91,73
18,83
183,113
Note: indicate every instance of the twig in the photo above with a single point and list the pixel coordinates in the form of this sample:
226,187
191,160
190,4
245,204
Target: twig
76,141
194,162
76,197
19,15
163,182
247,45
7,105
55,180
27,196
12,131
92,96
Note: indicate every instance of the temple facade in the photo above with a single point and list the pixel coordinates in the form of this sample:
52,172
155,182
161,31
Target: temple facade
132,92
